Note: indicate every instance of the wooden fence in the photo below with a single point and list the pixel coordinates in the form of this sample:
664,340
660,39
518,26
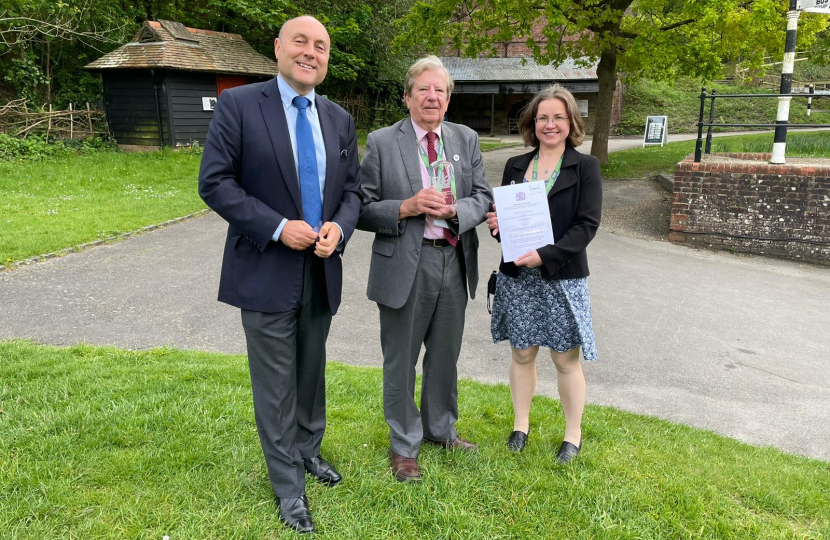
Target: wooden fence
19,120
354,106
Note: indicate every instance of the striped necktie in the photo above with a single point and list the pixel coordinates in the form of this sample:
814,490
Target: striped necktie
432,156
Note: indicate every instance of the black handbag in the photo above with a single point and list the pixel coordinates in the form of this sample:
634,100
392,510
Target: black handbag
491,289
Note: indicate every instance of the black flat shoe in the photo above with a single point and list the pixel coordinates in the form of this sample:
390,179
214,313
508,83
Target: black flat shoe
294,512
568,452
517,441
322,470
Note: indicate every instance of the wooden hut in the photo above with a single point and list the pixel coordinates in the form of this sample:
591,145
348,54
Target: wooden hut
490,93
160,89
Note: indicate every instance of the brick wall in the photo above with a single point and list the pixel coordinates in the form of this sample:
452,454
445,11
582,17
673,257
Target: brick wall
740,202
513,48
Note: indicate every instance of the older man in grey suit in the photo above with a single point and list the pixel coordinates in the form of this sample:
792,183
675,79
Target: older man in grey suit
424,260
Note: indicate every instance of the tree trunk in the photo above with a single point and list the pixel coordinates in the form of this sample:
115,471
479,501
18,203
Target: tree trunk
607,75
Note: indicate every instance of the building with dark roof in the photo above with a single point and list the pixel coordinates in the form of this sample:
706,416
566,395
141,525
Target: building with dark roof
490,93
160,89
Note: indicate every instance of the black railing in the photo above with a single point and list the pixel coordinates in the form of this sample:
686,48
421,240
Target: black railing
710,124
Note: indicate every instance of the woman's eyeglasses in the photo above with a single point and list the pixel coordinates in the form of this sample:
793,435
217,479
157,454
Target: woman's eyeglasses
544,120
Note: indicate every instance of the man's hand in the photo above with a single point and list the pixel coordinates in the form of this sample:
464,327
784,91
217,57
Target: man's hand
329,238
493,221
427,201
447,212
298,234
530,259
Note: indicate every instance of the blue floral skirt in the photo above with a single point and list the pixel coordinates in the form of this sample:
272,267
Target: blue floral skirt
529,310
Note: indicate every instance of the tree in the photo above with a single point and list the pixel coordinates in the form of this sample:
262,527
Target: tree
45,43
36,34
656,38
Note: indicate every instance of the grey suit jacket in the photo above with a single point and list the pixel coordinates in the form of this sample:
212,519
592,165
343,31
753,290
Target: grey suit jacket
390,172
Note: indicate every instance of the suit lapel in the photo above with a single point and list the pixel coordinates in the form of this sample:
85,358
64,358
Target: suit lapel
567,174
409,154
332,153
450,150
520,167
274,116
448,138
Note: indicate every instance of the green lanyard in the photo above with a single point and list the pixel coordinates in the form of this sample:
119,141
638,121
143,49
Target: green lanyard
550,181
439,157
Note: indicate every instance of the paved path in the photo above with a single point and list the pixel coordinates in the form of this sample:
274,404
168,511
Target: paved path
734,344
636,141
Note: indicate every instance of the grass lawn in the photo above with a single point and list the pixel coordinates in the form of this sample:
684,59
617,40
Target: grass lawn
680,101
487,146
640,162
107,443
58,203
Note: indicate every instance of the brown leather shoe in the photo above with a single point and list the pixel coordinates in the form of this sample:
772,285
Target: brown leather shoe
405,469
456,444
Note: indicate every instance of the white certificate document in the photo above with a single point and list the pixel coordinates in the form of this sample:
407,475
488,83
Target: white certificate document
524,218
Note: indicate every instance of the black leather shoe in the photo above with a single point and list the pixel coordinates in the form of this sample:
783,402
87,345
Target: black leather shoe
568,452
322,470
294,512
517,441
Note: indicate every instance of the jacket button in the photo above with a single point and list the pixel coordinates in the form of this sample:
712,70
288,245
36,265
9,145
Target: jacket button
416,252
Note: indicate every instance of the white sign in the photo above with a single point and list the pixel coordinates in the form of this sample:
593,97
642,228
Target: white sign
209,103
814,6
583,107
524,218
657,130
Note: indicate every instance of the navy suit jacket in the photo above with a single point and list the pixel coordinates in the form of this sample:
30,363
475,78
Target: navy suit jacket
248,177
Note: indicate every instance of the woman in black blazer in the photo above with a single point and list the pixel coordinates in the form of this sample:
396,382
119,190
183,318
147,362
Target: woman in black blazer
542,299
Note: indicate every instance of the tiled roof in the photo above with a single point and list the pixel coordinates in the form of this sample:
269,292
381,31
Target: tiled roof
511,69
171,45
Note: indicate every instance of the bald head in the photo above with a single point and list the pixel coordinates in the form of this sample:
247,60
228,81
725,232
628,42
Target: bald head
302,51
289,22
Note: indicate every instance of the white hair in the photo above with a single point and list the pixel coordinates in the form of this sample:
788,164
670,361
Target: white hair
426,63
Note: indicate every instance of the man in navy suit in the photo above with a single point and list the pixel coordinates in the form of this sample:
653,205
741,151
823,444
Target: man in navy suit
281,167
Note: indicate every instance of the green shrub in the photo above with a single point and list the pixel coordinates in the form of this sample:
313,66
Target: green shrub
680,101
195,148
37,147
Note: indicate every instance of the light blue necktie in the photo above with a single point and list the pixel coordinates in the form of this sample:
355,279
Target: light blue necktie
309,179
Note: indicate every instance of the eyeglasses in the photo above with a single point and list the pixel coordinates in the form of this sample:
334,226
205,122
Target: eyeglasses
544,120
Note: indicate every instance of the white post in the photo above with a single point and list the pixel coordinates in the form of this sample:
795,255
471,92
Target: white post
779,146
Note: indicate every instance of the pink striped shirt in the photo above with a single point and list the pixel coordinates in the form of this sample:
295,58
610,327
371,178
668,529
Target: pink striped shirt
431,230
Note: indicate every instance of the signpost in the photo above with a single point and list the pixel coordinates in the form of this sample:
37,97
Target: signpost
814,6
779,145
657,130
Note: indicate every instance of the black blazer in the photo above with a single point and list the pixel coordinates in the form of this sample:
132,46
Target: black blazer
575,204
248,177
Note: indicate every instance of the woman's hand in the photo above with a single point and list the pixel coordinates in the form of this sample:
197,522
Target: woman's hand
493,221
530,259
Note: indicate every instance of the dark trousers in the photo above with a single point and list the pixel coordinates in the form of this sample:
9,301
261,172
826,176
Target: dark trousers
287,360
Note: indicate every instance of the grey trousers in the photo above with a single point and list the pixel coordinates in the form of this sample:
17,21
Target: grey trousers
433,315
287,360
